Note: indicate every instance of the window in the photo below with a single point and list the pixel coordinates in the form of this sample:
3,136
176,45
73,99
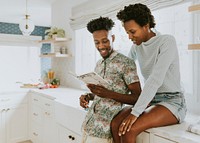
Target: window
174,20
177,21
19,64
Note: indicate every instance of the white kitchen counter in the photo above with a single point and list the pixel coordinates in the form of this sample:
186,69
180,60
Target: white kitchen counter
69,98
178,132
66,96
13,90
68,112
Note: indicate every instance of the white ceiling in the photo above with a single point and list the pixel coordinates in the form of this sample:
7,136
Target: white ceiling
13,11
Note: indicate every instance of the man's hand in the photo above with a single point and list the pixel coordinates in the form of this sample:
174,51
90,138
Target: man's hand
98,90
84,101
127,124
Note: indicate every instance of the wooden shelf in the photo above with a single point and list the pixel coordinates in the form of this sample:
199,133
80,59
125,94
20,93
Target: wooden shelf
194,47
55,40
194,8
55,55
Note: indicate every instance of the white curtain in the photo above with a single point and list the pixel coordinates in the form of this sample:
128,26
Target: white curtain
92,9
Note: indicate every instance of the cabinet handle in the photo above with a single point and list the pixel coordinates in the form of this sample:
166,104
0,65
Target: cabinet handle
47,104
35,114
47,113
3,110
71,137
5,100
35,134
35,99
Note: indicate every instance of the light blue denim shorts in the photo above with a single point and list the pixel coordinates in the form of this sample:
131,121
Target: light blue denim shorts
175,102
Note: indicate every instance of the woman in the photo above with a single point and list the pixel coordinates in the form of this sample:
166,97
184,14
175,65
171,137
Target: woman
161,101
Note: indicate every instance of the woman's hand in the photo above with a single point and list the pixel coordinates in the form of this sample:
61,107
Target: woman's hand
127,124
98,90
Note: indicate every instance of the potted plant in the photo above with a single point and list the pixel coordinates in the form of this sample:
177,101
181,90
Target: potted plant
54,32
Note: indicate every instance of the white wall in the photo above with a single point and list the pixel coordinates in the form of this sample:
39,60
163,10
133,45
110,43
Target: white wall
177,25
19,60
61,13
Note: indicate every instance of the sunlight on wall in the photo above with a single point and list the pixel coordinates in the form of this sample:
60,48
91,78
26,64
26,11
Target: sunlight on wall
19,64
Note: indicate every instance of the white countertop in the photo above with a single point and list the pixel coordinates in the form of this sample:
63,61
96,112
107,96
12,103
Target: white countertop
178,132
16,89
70,97
63,95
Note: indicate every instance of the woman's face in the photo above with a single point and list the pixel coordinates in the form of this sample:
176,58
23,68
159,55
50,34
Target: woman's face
136,33
103,41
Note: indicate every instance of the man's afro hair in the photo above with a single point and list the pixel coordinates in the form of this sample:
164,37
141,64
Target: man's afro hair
101,23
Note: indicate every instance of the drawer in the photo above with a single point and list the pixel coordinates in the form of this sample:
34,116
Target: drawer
44,103
158,139
69,117
36,133
67,136
48,104
37,114
8,99
36,100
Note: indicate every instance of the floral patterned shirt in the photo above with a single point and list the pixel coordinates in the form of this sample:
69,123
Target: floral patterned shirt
119,71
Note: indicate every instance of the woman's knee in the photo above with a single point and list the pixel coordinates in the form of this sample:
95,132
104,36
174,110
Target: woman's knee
117,120
130,136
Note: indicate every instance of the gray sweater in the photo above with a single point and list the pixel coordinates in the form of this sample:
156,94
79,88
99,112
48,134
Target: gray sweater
159,63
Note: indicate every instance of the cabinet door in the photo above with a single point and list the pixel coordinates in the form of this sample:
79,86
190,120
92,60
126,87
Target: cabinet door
67,136
36,119
2,126
36,135
144,137
49,131
158,139
49,119
43,125
17,123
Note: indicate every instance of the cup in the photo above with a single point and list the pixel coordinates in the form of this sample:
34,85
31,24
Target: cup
50,75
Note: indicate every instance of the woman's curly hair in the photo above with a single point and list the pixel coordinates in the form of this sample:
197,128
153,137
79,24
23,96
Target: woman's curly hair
101,23
140,13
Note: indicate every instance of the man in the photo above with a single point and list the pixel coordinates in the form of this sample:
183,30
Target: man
124,87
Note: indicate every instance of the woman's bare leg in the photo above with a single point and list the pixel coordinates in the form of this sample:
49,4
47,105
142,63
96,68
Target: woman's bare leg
116,123
154,116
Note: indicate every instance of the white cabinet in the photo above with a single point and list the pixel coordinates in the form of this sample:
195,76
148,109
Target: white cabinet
13,118
42,120
68,136
158,139
70,117
144,137
69,121
17,123
2,125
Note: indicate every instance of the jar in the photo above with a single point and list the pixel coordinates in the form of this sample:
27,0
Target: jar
63,50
